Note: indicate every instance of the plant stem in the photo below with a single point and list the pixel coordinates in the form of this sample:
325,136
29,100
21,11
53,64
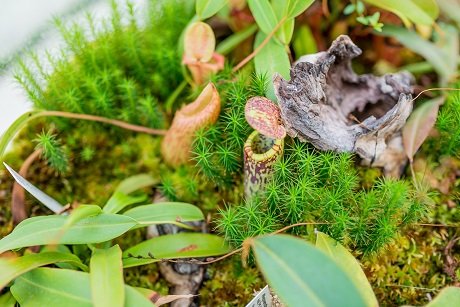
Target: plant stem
253,54
101,119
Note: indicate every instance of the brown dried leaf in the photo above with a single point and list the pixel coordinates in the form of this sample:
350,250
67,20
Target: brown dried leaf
264,115
419,124
170,298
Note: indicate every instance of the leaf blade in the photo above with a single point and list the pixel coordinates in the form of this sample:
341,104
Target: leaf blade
106,277
181,245
419,124
12,268
303,281
272,58
43,230
349,264
207,8
263,14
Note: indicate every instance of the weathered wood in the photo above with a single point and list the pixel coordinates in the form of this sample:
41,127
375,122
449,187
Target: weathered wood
324,90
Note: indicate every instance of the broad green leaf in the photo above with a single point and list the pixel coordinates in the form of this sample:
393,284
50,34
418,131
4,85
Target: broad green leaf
106,275
12,268
43,230
7,300
207,8
231,42
52,288
80,213
444,60
58,288
45,199
181,245
304,42
284,33
120,200
449,296
165,213
134,298
136,182
302,275
263,14
419,124
422,12
15,127
297,7
272,58
349,265
62,249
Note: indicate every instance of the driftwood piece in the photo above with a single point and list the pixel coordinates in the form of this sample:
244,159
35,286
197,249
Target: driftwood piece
324,97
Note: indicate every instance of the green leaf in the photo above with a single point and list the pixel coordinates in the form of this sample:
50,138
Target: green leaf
444,60
106,275
80,213
362,20
419,125
134,298
7,300
136,182
120,200
422,12
165,213
297,7
15,127
350,8
12,268
449,296
263,14
272,58
58,288
360,7
349,265
181,245
52,288
304,42
234,40
44,229
45,199
62,249
207,8
302,275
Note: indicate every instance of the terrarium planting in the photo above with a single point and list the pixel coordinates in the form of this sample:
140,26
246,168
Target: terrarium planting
256,141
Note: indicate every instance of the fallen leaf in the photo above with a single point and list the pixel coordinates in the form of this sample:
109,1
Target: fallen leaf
419,124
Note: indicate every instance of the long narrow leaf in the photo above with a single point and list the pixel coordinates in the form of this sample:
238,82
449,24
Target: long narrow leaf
15,127
43,230
120,200
349,264
302,275
419,124
235,39
45,199
12,268
58,288
165,213
181,245
420,12
263,14
107,286
207,8
136,182
272,58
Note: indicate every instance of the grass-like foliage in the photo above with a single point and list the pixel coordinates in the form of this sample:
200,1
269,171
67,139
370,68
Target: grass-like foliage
121,68
324,187
52,151
447,124
217,151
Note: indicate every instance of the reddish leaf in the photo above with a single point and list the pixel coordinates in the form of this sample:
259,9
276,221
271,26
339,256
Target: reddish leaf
419,124
264,115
